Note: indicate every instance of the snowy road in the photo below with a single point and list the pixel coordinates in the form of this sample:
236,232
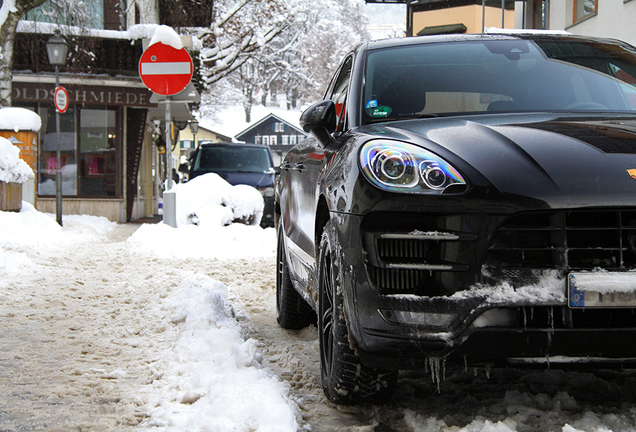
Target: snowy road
96,336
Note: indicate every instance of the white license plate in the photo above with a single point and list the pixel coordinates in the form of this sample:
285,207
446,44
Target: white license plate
602,289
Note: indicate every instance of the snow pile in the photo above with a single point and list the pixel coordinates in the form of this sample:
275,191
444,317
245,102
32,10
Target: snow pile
30,227
222,243
214,220
208,200
12,168
167,36
213,376
19,119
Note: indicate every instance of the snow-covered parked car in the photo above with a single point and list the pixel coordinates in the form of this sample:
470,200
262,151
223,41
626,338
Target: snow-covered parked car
239,164
465,198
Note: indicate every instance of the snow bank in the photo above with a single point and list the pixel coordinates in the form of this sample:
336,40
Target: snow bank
222,243
207,209
213,376
12,168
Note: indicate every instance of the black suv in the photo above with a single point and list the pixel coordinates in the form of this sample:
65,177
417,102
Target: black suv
467,198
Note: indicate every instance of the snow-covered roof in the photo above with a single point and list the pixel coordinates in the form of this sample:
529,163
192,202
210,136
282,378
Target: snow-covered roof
263,120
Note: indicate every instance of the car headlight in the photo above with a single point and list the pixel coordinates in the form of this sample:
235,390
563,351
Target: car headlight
401,167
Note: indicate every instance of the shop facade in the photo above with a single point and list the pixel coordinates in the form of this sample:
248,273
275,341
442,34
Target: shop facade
104,169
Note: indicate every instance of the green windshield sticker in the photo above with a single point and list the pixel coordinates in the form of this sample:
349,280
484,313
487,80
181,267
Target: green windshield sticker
381,111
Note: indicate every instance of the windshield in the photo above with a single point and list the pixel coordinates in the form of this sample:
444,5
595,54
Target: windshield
498,76
232,159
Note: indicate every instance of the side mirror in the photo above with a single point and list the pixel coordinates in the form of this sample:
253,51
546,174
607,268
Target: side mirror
184,168
320,120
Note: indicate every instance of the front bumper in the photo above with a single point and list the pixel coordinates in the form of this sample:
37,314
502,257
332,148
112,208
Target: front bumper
479,288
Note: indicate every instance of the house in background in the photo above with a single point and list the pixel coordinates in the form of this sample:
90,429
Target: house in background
188,142
279,135
608,18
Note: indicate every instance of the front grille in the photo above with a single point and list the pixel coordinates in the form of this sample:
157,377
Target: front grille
572,240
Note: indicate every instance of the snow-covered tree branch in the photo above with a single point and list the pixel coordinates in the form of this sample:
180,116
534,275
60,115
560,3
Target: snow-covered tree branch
11,12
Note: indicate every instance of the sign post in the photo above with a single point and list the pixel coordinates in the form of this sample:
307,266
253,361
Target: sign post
167,71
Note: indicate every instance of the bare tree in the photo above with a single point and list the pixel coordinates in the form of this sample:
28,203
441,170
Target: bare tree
10,13
302,57
240,28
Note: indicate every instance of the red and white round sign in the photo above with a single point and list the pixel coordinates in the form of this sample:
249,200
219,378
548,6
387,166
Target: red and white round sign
60,98
164,69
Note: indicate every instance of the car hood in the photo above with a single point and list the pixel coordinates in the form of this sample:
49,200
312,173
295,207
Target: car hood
257,180
571,161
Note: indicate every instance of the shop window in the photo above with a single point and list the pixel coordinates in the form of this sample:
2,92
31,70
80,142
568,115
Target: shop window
584,8
98,152
48,152
90,144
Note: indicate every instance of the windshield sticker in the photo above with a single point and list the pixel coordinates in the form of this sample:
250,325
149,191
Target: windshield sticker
381,111
372,104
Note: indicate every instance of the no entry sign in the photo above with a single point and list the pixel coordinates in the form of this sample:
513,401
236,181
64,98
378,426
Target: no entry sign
164,69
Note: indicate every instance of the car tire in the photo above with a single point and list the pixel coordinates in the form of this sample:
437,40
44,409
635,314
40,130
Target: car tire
292,311
345,380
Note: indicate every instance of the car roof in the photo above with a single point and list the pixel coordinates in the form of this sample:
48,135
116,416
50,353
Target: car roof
225,144
500,35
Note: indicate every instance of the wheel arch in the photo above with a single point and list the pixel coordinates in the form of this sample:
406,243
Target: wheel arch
322,217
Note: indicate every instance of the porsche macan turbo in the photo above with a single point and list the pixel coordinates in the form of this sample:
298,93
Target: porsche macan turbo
468,197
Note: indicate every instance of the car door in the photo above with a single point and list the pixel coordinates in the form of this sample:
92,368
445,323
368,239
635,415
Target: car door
300,176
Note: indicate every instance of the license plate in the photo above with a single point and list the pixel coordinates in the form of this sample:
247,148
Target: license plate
602,289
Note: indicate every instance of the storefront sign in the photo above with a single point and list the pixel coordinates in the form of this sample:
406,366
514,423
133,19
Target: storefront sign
93,95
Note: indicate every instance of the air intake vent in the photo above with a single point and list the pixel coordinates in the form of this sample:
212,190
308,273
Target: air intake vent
410,263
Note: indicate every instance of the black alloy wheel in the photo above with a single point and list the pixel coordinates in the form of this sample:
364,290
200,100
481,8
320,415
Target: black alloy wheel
345,380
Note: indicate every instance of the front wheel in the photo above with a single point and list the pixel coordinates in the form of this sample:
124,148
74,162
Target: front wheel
345,380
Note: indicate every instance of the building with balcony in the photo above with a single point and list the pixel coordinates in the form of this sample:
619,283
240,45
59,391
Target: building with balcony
112,162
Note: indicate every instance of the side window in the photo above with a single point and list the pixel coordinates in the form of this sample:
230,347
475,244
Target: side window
339,93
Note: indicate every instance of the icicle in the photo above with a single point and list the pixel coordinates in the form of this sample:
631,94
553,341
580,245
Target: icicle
438,371
551,326
525,318
488,371
465,364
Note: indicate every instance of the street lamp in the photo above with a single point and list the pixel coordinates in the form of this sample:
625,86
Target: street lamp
194,128
57,49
